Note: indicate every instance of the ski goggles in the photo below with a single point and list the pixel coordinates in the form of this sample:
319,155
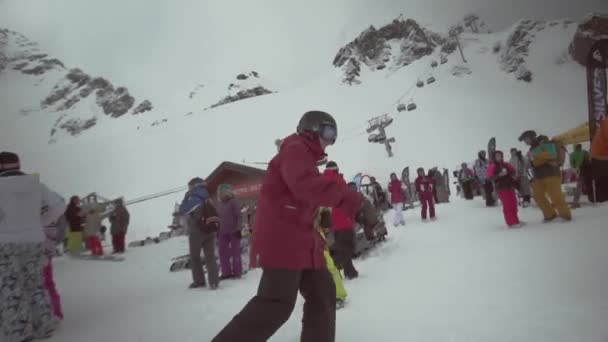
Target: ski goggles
328,133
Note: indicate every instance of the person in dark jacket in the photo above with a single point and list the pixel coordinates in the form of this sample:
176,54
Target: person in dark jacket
547,157
290,249
198,238
75,217
229,244
119,220
466,178
481,170
343,228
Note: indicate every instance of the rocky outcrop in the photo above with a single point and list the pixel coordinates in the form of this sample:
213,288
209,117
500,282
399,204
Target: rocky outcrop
20,55
392,46
591,30
517,48
74,127
243,94
78,85
143,107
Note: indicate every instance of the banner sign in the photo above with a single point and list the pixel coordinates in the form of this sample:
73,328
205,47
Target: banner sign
597,67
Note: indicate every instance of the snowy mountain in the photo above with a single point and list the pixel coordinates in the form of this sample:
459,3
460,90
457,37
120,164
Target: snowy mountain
69,101
189,133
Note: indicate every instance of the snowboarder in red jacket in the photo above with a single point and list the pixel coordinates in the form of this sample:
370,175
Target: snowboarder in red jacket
424,188
290,249
343,227
397,191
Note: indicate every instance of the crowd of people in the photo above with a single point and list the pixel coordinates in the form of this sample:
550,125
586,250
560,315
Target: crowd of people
34,222
296,209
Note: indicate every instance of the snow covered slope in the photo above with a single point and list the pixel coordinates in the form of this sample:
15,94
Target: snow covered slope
48,101
456,115
462,278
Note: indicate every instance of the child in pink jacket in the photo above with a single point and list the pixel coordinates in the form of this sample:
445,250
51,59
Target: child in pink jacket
503,175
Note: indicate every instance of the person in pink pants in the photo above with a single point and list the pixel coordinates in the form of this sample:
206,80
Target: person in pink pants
424,188
49,285
503,175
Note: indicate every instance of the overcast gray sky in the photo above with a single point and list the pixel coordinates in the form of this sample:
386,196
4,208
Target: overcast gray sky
175,42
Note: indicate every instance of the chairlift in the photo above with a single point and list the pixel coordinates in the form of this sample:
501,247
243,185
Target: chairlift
434,64
430,80
411,106
401,107
419,84
376,138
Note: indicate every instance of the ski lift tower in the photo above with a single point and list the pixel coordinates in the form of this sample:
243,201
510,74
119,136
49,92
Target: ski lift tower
379,124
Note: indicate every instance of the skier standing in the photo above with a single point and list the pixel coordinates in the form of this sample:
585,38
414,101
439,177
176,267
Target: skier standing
397,191
343,228
75,217
196,208
522,170
547,157
503,175
26,207
92,225
290,249
424,188
481,170
466,178
229,237
119,220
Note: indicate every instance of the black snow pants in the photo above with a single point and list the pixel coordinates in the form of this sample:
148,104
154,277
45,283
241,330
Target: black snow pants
343,252
488,188
275,301
467,189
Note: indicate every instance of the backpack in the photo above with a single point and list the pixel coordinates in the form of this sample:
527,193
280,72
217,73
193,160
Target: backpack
206,218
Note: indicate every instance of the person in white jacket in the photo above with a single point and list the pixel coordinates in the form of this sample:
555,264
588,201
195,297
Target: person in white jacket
26,207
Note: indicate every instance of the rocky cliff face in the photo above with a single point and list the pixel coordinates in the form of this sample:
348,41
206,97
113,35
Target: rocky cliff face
70,86
392,46
245,86
593,29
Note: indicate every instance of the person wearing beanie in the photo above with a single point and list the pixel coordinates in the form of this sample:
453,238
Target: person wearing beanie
9,164
191,208
23,246
343,228
547,157
119,224
290,249
229,237
503,175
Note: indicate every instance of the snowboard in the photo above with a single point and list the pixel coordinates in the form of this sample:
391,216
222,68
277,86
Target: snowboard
491,149
446,180
405,178
357,180
114,258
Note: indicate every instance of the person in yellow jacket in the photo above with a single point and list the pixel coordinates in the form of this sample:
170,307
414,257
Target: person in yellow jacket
323,224
547,157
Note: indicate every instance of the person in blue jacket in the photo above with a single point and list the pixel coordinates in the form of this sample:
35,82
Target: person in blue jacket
191,206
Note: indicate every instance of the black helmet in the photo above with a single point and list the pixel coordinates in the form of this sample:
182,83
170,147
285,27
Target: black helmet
321,124
527,135
331,165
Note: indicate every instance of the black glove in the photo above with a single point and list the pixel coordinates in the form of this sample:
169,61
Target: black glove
367,216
